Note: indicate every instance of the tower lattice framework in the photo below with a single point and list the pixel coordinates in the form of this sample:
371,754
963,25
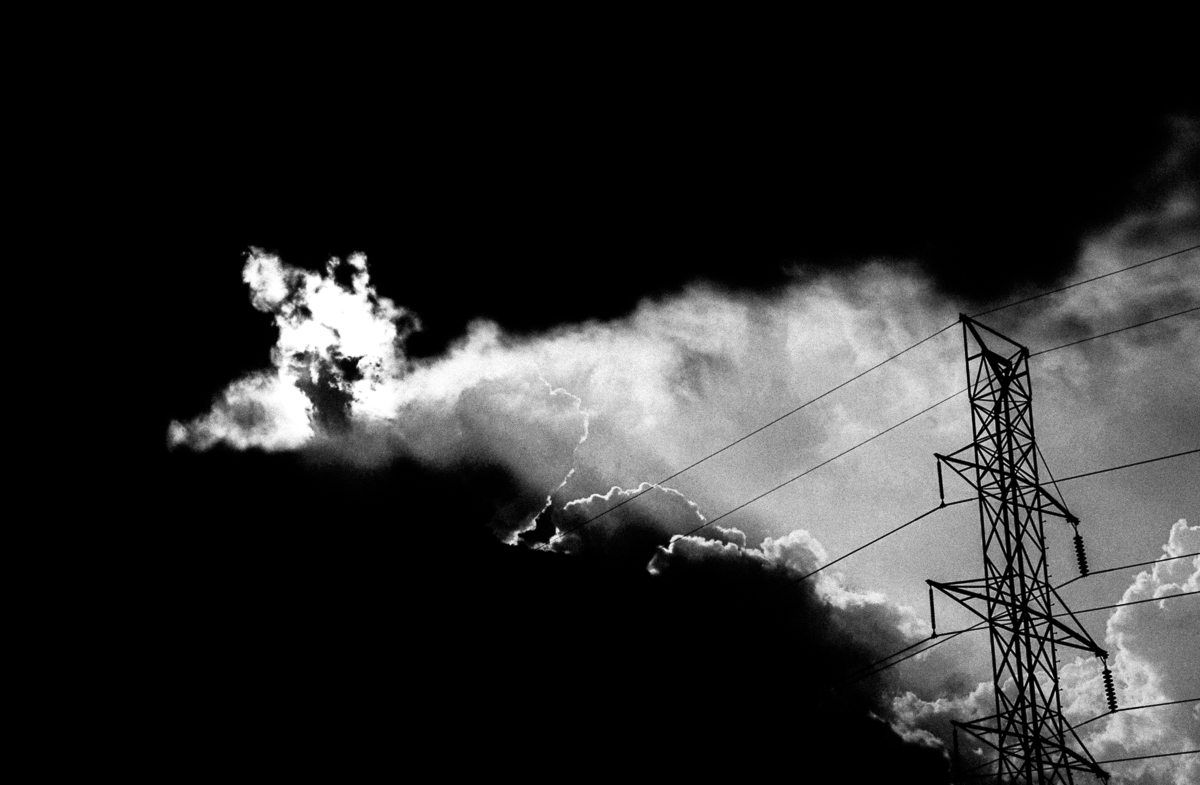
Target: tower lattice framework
1035,744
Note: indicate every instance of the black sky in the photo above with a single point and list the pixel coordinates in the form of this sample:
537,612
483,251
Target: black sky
540,208
302,610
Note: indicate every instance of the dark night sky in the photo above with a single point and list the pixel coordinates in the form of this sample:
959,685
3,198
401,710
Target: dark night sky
535,212
311,612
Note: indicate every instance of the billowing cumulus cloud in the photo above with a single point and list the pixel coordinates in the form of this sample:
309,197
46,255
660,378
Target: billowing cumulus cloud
1154,660
336,357
671,379
624,523
586,407
266,410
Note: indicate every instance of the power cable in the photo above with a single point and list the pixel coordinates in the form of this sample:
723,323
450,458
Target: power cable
888,533
930,511
1093,719
1131,602
858,376
825,462
757,430
1126,567
1128,465
1133,708
1081,283
1108,760
1147,757
869,439
1114,332
933,641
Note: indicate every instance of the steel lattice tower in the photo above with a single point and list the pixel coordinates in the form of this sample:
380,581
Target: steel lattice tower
1015,596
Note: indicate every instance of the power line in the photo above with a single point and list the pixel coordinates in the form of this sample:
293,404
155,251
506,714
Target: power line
1101,716
1109,760
960,501
927,512
1126,567
858,376
757,430
1081,283
933,641
1146,757
869,439
910,647
1114,332
888,533
1134,708
825,462
1132,602
1127,465
938,641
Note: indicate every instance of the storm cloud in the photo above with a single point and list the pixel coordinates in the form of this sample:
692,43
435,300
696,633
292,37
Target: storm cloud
583,416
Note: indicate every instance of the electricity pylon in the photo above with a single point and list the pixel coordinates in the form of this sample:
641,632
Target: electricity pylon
1014,596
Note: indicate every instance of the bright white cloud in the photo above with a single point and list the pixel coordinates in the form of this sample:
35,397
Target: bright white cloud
344,338
582,413
265,410
680,375
1154,647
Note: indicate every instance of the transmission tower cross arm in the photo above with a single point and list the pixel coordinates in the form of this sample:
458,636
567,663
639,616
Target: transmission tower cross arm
1007,612
1046,502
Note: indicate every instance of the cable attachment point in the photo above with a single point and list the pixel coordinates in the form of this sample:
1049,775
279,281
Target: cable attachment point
1110,692
1080,554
